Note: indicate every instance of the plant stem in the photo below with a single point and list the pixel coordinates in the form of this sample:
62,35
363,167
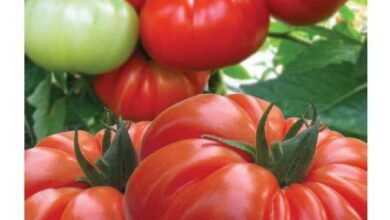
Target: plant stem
217,84
287,36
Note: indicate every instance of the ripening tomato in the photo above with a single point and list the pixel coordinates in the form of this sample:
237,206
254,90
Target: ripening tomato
140,89
202,34
84,36
303,12
188,177
51,171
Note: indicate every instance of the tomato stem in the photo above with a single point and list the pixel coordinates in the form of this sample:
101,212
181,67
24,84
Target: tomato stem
217,84
289,159
118,162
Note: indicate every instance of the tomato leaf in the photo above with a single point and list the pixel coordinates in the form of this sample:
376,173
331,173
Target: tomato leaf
322,54
47,118
338,91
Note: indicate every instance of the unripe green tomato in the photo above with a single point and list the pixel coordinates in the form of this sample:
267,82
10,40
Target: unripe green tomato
85,36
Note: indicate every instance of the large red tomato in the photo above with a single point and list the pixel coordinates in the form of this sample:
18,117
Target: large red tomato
192,178
51,169
203,34
234,117
303,12
140,89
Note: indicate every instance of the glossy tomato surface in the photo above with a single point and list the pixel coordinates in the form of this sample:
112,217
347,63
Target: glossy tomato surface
100,203
186,177
233,117
84,36
202,34
140,89
51,170
303,12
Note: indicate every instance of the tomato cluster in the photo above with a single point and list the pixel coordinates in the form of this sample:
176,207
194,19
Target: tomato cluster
197,161
199,156
181,40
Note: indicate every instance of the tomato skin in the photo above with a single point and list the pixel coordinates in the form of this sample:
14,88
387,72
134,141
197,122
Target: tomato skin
49,203
303,12
49,168
186,177
234,117
140,89
202,34
64,141
98,203
79,35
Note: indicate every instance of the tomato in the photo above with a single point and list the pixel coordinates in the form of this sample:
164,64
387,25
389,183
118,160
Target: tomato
51,169
202,34
99,202
84,36
234,117
187,177
140,89
303,12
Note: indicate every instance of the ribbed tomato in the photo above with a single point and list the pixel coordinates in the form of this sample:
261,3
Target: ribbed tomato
51,171
303,12
187,177
140,89
202,34
234,117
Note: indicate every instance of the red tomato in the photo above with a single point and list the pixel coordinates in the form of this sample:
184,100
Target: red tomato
98,203
51,169
303,12
141,89
203,34
137,4
63,141
191,178
233,117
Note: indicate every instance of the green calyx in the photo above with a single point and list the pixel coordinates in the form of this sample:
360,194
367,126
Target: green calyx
289,159
117,163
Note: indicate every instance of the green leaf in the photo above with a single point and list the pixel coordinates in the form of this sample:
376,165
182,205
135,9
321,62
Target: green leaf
33,76
236,72
338,91
60,80
322,54
288,52
47,118
40,99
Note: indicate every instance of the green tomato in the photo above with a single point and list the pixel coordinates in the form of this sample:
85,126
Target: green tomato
85,36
